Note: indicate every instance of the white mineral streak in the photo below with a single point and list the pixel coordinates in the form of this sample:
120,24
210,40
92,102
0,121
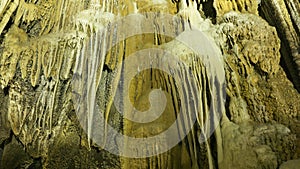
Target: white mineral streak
3,5
92,57
8,13
193,16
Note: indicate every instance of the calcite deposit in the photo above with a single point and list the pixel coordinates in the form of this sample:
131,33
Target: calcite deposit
62,62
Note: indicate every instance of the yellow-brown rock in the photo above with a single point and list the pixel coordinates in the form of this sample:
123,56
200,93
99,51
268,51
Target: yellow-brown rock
59,60
243,6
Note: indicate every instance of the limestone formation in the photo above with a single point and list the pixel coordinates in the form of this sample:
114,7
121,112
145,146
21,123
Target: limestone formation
60,61
292,164
285,16
243,6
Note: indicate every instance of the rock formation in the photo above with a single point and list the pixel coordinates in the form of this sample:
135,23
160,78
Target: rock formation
62,61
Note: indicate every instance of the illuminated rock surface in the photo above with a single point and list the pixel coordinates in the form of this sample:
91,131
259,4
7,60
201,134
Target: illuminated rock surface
47,64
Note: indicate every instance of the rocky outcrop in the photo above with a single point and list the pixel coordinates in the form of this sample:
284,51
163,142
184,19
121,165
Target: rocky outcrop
54,54
253,73
284,15
292,164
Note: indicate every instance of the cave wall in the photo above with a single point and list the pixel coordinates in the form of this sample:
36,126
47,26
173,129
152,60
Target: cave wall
42,42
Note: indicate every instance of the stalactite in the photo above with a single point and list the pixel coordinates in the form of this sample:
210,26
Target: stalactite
5,17
61,56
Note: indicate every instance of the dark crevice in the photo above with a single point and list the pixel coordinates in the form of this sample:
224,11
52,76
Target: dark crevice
35,87
187,2
285,69
6,91
286,61
214,149
227,107
292,19
209,10
7,141
6,28
106,68
37,163
3,144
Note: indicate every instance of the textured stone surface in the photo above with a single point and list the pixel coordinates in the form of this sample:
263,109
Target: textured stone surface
14,156
4,123
243,6
42,43
292,164
254,145
285,16
254,82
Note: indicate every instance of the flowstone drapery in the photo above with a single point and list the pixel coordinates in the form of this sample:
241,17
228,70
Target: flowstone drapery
54,54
